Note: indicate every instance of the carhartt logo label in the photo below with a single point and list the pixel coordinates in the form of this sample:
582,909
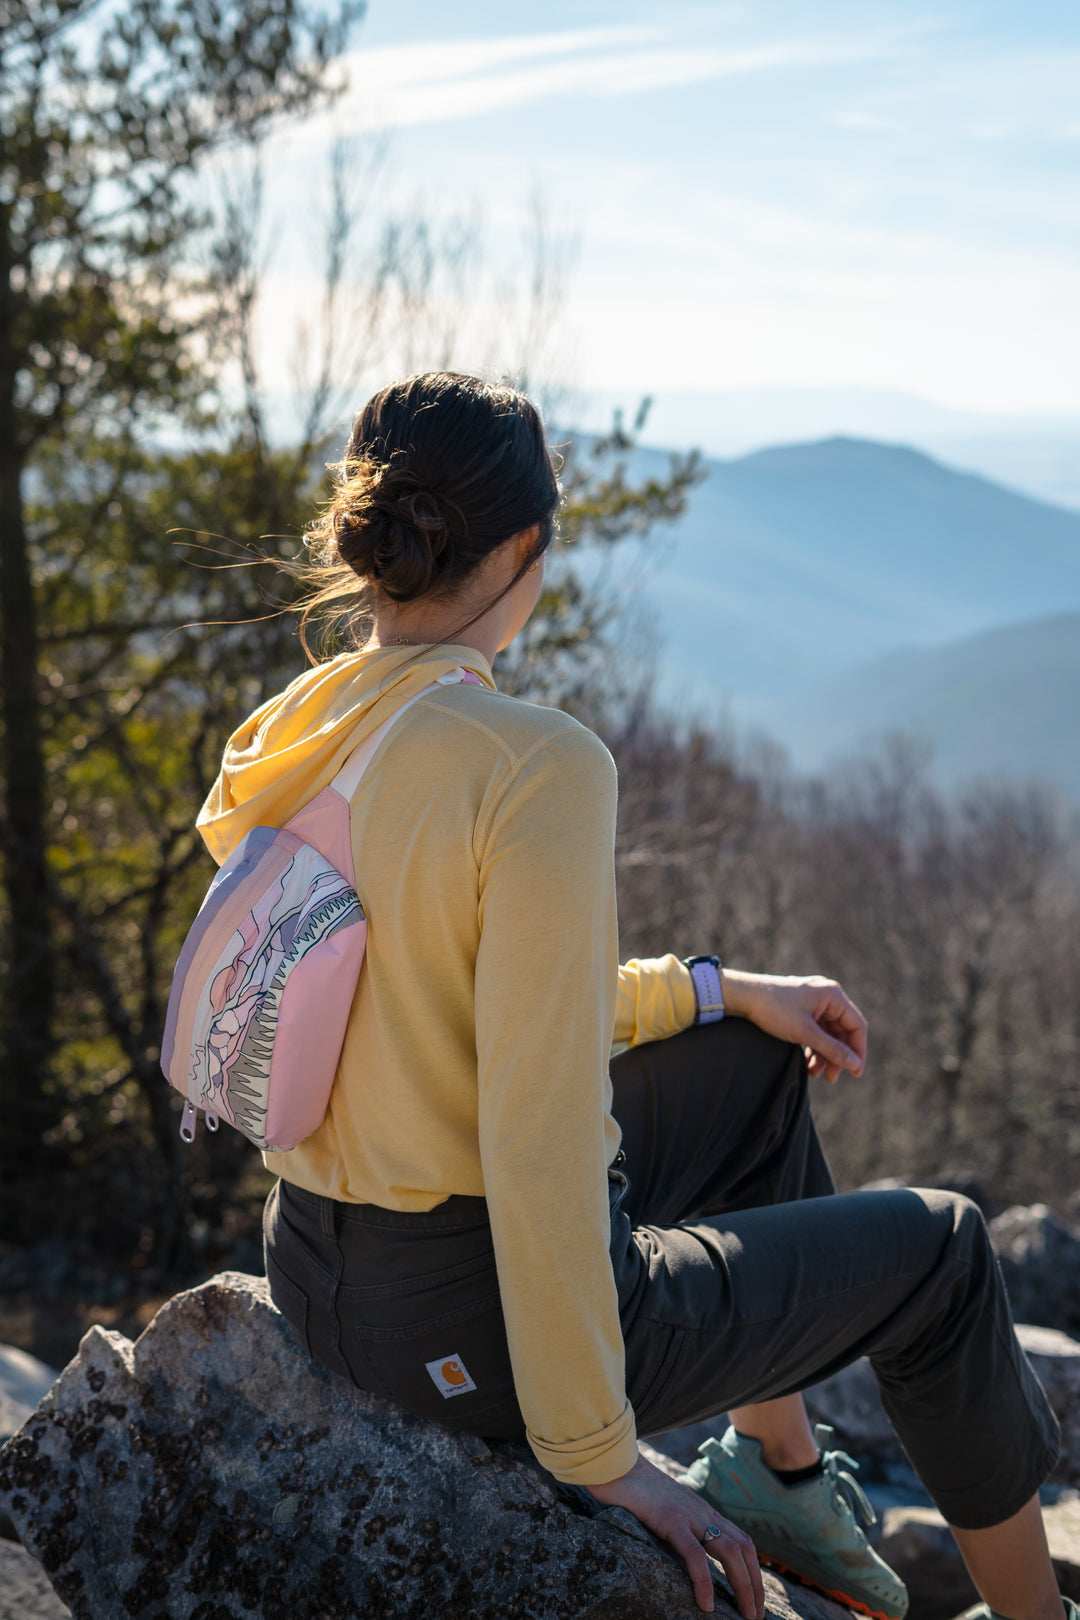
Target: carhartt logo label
449,1376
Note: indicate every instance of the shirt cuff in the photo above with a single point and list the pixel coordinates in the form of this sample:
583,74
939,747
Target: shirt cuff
656,999
597,1459
683,995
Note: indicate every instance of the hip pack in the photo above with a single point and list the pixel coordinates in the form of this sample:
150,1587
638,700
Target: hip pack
264,984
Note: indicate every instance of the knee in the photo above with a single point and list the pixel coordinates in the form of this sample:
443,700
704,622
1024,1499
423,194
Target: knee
966,1235
753,1052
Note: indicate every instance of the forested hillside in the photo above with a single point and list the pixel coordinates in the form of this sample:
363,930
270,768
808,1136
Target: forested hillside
955,925
1003,705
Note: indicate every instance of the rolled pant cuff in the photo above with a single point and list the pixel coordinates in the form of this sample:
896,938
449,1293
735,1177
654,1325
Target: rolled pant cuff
969,1510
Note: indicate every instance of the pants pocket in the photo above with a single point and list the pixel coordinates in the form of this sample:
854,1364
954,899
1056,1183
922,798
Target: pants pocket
453,1367
290,1300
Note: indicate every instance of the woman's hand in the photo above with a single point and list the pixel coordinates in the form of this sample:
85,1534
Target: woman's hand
680,1517
814,1013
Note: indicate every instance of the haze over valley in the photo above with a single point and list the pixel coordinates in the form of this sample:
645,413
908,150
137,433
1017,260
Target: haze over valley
828,593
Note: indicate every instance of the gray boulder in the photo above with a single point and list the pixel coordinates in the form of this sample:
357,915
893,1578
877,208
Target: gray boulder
850,1402
1040,1260
23,1381
25,1593
1056,1361
917,1542
210,1471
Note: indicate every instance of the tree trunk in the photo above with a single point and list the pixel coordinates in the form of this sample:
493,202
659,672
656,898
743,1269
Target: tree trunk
27,990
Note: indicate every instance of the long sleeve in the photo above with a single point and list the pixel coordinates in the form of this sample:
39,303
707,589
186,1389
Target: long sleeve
546,985
656,999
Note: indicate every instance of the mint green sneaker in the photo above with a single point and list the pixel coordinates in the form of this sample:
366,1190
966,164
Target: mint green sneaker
809,1530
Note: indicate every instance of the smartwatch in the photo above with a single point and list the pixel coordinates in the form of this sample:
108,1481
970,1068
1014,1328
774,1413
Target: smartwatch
705,972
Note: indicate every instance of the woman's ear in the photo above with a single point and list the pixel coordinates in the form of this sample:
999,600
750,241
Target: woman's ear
526,543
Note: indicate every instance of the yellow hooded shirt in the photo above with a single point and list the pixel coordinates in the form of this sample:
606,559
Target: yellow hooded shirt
476,1055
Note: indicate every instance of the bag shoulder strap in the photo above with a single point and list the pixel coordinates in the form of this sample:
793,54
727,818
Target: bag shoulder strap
347,779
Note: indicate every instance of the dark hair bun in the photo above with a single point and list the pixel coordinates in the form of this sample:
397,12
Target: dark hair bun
389,528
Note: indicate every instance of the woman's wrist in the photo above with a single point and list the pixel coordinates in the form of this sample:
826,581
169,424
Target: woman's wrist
740,990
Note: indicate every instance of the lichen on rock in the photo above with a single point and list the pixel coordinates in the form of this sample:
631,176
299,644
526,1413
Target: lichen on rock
211,1471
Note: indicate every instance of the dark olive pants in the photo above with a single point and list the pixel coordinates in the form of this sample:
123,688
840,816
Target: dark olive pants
741,1276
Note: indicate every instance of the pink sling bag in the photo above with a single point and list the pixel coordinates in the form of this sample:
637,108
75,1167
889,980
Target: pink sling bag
264,985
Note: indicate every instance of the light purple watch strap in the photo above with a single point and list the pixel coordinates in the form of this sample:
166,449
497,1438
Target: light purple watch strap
710,997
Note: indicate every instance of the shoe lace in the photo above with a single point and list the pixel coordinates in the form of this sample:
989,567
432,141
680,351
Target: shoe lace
846,1486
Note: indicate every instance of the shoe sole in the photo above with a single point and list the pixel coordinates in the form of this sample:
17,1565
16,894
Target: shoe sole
841,1597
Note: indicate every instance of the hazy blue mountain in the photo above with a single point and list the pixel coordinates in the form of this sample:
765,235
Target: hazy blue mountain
796,565
1005,703
1037,454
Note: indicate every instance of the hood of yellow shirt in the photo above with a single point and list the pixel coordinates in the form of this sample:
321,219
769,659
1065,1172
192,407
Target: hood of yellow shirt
294,745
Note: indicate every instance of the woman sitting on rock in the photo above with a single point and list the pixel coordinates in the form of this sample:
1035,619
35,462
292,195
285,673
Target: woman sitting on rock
503,1228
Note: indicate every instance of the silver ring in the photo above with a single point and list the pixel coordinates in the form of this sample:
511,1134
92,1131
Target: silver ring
710,1533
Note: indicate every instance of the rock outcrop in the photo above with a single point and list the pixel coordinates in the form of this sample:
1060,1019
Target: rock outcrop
25,1593
211,1471
1040,1260
23,1381
916,1541
918,1544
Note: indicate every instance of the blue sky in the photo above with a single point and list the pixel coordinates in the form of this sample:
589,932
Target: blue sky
828,196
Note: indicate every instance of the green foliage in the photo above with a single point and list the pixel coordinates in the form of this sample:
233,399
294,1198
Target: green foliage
107,330
602,506
157,642
104,113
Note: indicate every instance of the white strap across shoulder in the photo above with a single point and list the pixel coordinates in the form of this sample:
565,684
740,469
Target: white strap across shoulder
347,779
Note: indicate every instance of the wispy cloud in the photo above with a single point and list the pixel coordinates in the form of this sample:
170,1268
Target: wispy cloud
748,202
398,86
872,122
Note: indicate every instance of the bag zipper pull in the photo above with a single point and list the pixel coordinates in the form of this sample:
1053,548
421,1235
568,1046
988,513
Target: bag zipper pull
188,1121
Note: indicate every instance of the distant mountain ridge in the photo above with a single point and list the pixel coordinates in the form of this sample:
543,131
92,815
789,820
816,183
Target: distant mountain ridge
795,564
796,569
1039,454
1004,704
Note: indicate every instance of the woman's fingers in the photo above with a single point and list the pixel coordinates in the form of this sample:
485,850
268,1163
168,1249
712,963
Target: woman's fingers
836,1033
833,1055
734,1552
678,1516
840,1017
688,1546
848,1025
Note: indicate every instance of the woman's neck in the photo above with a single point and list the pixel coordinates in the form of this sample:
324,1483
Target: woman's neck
486,615
401,630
